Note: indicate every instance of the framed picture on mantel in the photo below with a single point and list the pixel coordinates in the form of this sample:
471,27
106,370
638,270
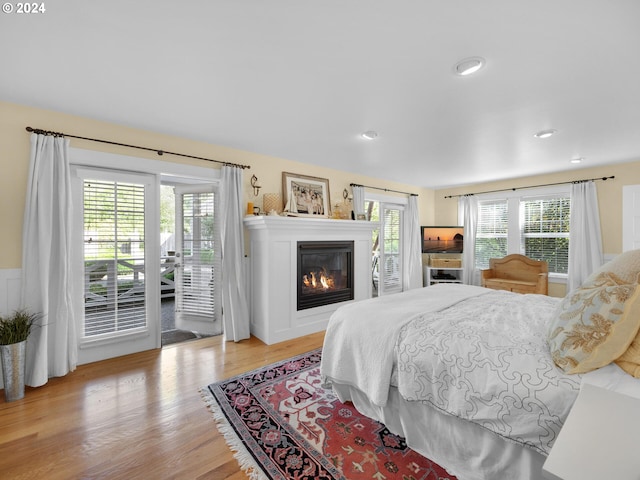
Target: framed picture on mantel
306,196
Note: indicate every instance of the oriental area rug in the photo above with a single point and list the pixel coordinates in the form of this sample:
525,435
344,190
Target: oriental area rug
282,424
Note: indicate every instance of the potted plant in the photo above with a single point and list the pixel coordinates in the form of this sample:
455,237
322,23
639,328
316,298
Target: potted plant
14,331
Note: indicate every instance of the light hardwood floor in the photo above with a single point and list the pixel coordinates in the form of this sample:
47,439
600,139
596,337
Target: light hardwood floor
137,416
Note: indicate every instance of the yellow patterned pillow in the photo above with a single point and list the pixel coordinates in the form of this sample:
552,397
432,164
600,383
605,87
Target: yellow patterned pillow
596,323
625,266
629,361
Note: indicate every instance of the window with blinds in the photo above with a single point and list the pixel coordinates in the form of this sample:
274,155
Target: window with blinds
535,226
545,231
386,243
492,231
391,249
200,257
114,267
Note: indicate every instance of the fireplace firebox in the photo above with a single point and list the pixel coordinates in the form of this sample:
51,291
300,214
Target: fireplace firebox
325,273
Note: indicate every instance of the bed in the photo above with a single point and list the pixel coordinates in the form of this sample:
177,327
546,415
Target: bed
479,380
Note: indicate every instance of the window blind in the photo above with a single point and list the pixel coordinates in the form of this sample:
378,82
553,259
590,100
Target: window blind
114,236
545,232
391,262
201,256
492,231
539,229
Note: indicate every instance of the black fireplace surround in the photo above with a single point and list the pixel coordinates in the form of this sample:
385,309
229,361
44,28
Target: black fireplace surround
325,273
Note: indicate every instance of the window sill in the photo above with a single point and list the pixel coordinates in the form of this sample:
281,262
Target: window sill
558,278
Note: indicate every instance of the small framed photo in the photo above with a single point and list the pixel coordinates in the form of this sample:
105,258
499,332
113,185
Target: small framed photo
361,216
306,196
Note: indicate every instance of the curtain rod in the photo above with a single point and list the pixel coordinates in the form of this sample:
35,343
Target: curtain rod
385,189
159,152
531,186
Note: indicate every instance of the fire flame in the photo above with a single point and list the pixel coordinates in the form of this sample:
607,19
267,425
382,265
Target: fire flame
312,280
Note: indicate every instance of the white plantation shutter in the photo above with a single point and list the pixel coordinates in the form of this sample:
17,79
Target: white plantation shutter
114,243
492,231
545,231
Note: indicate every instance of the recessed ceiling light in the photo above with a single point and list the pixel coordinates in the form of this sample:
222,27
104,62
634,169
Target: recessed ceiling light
369,134
577,160
545,133
468,66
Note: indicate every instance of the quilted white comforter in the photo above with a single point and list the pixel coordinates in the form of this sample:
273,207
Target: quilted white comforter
483,358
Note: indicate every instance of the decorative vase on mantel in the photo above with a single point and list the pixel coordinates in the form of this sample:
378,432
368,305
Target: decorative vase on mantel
13,363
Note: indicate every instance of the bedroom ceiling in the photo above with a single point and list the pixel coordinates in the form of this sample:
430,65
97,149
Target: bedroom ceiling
302,80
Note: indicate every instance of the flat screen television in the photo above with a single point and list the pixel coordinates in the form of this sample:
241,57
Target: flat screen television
442,239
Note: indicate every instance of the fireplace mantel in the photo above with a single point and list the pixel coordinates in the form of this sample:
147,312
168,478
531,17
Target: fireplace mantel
273,272
277,222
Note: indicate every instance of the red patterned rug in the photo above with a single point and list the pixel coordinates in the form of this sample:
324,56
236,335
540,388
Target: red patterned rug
283,425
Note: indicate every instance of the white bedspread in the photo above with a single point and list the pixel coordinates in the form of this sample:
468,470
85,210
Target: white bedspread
361,337
474,353
487,361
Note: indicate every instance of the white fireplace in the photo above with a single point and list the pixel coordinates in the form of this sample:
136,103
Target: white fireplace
273,272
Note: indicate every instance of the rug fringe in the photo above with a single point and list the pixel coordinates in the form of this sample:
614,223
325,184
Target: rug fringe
246,461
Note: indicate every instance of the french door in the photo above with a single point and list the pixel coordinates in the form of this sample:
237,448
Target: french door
198,297
386,245
391,249
117,231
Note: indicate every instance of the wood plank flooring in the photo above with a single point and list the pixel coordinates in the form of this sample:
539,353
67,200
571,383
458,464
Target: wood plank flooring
135,417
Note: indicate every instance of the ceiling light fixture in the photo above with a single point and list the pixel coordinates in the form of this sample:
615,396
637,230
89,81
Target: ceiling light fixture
577,160
468,66
545,133
369,134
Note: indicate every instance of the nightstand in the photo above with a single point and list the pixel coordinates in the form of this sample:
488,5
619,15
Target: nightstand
599,439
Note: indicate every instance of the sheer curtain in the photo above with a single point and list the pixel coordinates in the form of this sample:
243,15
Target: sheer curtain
358,200
412,268
469,206
235,312
585,240
52,349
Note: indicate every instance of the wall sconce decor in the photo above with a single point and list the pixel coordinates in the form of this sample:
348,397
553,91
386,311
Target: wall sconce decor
256,186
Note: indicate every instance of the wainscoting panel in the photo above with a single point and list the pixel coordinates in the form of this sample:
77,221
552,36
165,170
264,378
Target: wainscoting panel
9,289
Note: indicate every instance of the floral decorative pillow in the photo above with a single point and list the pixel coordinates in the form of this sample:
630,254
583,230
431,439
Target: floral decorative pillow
596,323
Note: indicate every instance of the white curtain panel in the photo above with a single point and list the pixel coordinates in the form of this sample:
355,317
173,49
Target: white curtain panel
412,268
469,205
235,312
52,349
358,200
585,238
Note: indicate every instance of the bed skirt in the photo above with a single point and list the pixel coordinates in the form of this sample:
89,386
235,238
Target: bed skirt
464,449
